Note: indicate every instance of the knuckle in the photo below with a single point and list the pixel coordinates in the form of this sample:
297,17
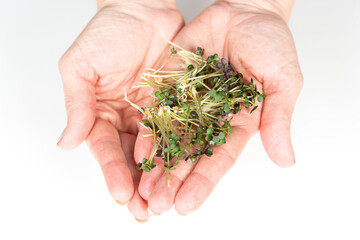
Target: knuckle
66,58
74,104
63,61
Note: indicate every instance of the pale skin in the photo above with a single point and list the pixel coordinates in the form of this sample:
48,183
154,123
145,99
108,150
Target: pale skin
119,43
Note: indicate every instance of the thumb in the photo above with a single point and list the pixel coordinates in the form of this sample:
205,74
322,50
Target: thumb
79,89
276,119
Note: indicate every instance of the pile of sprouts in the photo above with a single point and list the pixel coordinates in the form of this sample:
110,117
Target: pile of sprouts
191,108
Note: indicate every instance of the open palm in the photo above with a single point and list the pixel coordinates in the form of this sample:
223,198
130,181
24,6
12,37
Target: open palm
103,63
258,44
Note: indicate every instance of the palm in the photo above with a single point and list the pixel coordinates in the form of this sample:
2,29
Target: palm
259,45
118,58
106,59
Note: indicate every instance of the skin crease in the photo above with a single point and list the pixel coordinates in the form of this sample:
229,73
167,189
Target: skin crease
105,61
124,39
258,44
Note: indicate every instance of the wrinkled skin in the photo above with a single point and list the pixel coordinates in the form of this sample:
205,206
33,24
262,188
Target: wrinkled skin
104,62
258,44
117,46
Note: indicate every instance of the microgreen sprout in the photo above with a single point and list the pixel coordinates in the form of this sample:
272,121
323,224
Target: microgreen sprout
190,113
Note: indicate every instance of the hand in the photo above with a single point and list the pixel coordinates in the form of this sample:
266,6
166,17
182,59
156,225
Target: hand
258,44
104,62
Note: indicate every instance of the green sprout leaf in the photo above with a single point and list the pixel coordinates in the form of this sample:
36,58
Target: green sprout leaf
146,123
216,139
146,168
139,166
174,137
222,135
227,107
209,152
218,97
209,131
199,51
220,142
189,112
158,95
254,109
208,137
186,107
169,103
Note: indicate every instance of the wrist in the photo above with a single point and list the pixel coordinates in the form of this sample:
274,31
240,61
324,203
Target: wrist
153,3
280,7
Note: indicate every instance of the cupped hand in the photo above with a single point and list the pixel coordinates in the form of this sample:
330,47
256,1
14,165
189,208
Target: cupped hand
104,62
257,42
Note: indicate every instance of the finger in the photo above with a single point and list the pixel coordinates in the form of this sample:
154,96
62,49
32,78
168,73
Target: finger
105,144
208,172
163,194
275,122
143,148
143,145
78,80
137,205
148,180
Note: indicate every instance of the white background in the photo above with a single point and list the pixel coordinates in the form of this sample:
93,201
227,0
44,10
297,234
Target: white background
46,193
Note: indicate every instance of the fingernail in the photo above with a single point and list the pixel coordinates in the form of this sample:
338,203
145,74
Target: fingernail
122,203
154,213
141,221
179,213
60,137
